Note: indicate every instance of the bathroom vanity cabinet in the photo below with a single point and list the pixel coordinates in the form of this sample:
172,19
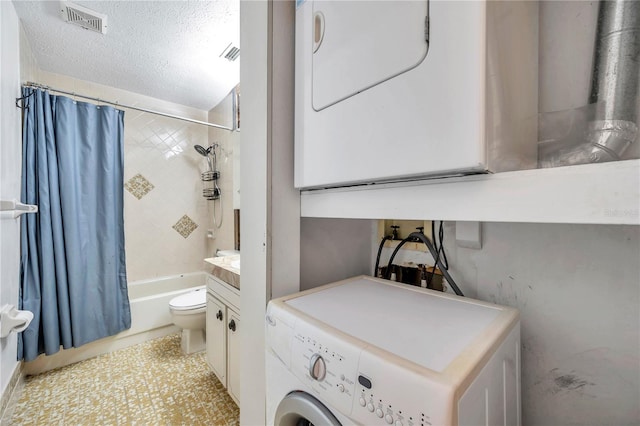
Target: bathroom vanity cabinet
223,334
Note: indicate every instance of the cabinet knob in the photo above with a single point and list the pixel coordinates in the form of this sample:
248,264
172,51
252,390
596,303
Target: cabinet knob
219,315
232,325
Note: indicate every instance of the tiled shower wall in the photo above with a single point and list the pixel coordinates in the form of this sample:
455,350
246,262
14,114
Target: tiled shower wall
166,218
165,214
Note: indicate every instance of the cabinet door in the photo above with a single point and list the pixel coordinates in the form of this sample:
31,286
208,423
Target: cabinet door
216,338
233,355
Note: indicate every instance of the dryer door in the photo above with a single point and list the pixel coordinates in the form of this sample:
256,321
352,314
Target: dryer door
299,408
360,44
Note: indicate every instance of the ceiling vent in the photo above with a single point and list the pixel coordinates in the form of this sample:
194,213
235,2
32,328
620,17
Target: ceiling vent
81,16
231,53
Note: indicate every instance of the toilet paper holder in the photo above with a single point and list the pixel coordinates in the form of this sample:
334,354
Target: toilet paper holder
12,319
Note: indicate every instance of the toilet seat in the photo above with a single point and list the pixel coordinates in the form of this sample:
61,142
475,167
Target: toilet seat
193,300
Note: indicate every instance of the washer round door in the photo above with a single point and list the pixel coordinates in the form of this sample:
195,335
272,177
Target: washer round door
301,409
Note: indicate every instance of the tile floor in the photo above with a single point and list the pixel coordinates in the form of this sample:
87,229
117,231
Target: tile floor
148,384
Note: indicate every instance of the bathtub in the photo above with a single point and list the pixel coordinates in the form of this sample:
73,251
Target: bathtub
149,300
150,319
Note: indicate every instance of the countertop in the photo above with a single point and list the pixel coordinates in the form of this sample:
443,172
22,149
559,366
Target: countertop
220,267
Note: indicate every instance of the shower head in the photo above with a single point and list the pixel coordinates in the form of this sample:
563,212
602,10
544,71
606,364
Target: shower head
202,150
207,153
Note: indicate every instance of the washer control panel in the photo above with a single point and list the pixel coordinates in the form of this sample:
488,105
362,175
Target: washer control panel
326,364
364,384
389,393
373,408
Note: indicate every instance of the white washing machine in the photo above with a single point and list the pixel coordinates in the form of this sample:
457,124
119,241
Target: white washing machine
373,352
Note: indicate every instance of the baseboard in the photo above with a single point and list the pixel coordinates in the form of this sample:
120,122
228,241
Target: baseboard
8,394
71,356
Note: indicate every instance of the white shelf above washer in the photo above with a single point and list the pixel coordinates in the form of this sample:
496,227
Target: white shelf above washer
607,193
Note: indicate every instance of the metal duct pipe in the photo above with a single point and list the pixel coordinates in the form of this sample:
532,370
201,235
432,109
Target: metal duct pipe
615,82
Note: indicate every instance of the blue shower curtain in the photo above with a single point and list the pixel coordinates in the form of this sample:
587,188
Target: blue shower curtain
72,251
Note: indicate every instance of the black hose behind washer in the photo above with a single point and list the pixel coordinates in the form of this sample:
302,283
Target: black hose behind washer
434,254
375,270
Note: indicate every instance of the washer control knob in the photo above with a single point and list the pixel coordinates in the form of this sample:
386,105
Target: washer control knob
370,407
340,387
389,419
362,402
399,423
379,413
317,367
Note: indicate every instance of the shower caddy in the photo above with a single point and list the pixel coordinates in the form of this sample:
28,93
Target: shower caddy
211,191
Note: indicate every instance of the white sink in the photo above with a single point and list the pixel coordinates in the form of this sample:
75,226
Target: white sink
235,264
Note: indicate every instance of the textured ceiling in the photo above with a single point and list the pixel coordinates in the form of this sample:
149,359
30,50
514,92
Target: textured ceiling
164,49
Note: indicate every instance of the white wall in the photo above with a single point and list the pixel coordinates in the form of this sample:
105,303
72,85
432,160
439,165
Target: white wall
29,70
10,149
254,35
270,218
578,291
334,249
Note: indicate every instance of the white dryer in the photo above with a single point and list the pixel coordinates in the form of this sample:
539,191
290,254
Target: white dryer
373,352
398,90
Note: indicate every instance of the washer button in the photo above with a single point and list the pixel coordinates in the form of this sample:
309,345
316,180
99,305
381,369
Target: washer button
363,402
370,407
388,419
364,382
340,387
379,413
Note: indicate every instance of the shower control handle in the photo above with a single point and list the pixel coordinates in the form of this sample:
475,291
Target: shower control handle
219,315
232,325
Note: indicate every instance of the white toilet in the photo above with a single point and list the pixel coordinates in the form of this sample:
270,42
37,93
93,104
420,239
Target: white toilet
189,312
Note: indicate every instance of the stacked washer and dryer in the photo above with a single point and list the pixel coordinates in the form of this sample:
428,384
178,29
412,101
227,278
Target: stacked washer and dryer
451,89
372,352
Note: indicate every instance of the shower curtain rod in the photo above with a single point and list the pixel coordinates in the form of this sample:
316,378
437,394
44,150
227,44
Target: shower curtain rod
177,117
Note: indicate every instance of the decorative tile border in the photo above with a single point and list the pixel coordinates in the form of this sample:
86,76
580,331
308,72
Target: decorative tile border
138,186
185,226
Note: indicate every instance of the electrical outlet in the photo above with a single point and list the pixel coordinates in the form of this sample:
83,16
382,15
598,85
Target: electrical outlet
469,234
